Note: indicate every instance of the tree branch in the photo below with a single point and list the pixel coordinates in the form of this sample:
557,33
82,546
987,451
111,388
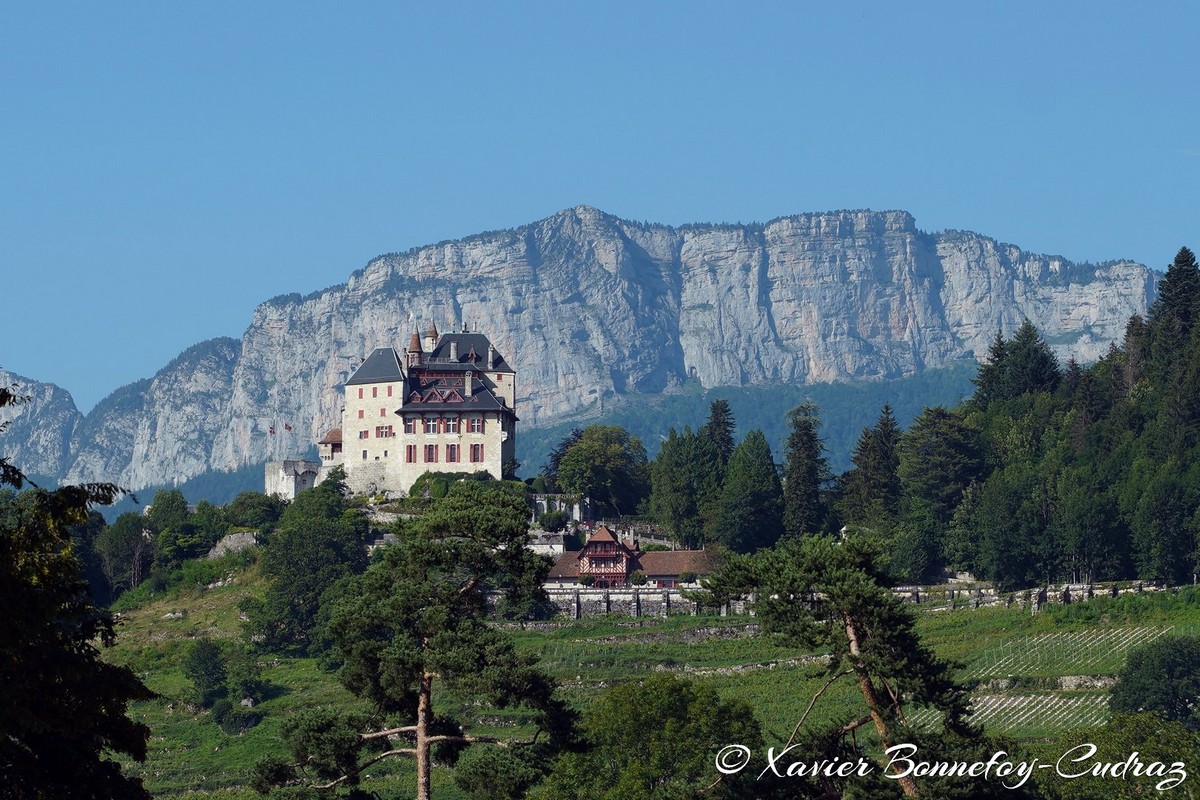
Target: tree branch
813,702
398,752
388,732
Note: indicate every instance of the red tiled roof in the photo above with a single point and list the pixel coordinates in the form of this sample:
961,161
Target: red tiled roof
333,437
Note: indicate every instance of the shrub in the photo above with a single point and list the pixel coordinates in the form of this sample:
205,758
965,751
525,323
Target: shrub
587,580
638,578
554,521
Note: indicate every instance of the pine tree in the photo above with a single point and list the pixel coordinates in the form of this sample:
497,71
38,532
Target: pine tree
940,455
1179,293
685,479
805,472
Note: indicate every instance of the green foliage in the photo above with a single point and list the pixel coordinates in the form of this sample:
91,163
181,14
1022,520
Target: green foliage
719,428
749,513
320,540
65,710
805,473
1162,677
554,521
871,490
255,510
204,666
606,464
416,616
685,480
1127,738
656,739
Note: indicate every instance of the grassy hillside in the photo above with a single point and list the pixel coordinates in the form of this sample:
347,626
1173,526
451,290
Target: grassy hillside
1033,676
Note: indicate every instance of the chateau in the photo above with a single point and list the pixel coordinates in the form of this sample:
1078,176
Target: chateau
447,404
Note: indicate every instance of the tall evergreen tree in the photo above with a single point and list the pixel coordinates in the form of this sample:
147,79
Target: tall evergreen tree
749,514
719,428
992,381
685,479
940,455
805,472
1030,365
1179,293
872,488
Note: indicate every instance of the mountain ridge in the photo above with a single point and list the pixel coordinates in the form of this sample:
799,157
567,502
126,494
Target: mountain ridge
589,307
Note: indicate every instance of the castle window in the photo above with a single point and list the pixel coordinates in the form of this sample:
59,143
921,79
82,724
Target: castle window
452,453
431,426
383,432
360,393
383,412
450,424
364,455
364,434
360,413
431,453
476,453
410,425
389,390
410,453
475,425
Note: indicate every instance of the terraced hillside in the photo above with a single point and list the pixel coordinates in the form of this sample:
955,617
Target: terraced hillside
1033,677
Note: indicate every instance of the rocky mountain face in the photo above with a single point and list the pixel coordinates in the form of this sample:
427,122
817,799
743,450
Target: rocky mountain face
590,308
37,429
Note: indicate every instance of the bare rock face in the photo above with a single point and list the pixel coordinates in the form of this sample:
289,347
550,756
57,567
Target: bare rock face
37,437
588,307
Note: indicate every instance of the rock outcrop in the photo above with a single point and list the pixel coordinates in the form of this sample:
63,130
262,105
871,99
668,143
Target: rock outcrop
589,307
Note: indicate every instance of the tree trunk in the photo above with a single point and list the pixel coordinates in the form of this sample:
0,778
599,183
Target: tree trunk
424,717
871,696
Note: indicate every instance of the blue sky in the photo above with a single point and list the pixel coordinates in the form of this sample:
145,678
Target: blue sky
164,167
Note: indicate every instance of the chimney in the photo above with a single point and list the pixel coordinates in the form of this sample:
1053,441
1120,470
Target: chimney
467,383
454,349
491,362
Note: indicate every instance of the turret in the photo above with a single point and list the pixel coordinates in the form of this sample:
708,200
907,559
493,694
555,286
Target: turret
414,350
431,337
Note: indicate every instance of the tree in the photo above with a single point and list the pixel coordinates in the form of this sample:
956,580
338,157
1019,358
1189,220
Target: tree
940,456
65,709
607,464
204,666
749,514
685,479
1179,294
805,472
719,428
1030,365
872,488
817,593
655,739
255,510
320,541
1162,677
991,380
550,468
414,619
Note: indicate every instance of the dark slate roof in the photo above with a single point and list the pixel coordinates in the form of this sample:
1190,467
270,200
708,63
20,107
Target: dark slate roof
466,343
382,366
481,398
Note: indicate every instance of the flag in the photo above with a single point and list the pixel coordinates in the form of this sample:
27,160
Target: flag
272,430
287,427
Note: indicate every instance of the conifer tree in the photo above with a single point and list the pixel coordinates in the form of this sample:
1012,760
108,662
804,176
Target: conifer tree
719,428
415,620
991,381
805,472
940,455
685,480
872,488
749,514
1030,365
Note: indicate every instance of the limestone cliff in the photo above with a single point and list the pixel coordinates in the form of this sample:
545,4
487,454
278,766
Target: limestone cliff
37,437
589,307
